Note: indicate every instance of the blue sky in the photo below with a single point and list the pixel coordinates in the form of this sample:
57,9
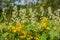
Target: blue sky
23,2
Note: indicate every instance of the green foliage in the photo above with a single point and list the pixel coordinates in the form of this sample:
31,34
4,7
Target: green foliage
53,33
43,37
3,25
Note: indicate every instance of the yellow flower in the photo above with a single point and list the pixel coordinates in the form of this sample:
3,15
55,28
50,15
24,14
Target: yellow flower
18,30
24,32
14,30
19,25
30,37
36,38
13,27
43,22
44,25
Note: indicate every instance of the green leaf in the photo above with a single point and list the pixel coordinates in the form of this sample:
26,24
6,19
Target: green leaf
1,38
39,37
53,33
1,19
43,37
50,23
5,34
39,26
3,25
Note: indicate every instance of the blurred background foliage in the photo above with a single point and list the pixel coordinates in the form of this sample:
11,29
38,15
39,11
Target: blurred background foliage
41,7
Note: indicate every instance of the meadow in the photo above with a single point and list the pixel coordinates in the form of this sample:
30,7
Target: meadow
37,22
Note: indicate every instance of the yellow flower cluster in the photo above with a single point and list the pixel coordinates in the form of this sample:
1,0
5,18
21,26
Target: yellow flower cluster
43,22
13,29
16,28
22,34
31,37
19,27
36,38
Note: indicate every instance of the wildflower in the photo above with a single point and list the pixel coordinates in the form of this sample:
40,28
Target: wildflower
15,8
18,30
14,30
44,25
43,22
13,27
19,26
42,10
24,32
58,10
22,10
49,10
30,37
30,9
36,38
